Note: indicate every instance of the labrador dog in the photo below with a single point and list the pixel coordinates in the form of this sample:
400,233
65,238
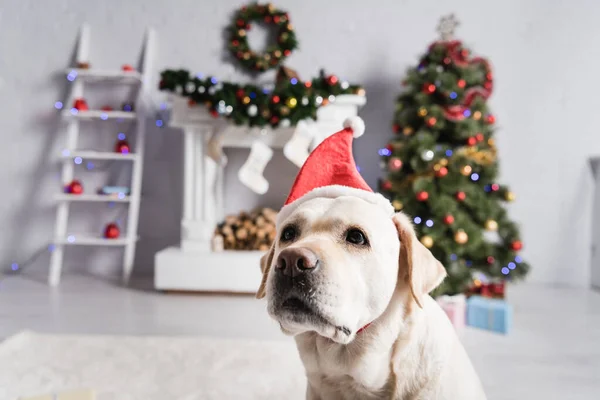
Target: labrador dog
351,284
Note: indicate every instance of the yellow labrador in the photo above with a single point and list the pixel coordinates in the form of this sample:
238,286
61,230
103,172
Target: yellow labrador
351,284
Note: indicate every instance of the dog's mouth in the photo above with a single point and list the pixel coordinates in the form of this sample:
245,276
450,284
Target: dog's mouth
297,305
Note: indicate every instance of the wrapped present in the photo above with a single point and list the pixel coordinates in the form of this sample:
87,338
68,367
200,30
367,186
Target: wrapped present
455,309
489,314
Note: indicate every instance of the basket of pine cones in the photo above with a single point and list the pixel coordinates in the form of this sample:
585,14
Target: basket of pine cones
246,231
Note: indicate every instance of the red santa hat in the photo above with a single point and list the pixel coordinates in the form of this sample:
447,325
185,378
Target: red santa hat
330,172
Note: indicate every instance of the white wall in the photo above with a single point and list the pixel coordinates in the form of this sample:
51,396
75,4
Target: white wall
544,55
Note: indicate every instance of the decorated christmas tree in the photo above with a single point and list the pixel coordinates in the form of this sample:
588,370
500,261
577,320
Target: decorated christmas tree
442,167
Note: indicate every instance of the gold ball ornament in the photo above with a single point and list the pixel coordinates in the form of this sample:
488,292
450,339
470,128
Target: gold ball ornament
510,196
277,53
246,100
397,204
246,55
491,142
427,241
461,237
291,102
491,225
266,113
466,170
284,110
477,115
422,112
408,130
444,162
437,167
241,33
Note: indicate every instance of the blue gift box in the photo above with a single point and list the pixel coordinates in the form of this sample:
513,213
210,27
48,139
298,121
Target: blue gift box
489,314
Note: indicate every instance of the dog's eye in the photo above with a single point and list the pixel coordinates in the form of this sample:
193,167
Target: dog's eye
289,234
355,236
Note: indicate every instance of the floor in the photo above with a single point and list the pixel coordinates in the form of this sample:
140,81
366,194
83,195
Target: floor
553,351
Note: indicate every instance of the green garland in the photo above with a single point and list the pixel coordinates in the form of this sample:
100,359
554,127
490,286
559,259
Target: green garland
274,54
289,102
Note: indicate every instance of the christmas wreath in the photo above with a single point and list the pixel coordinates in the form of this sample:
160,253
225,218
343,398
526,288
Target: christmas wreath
290,101
282,104
274,54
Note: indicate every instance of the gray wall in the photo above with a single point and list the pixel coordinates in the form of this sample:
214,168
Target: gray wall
544,55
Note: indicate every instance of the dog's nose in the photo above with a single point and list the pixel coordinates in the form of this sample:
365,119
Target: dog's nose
297,261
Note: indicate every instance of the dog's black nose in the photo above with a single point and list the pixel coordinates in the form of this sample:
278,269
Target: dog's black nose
297,261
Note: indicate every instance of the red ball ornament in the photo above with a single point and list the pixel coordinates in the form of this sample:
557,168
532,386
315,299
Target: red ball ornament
308,84
488,85
490,259
472,141
276,19
461,83
442,172
111,231
396,128
394,164
447,60
389,147
490,119
75,187
386,185
479,137
431,121
428,88
461,196
287,52
332,79
107,108
516,245
268,19
127,68
448,219
464,53
80,104
235,43
422,196
489,76
274,119
122,147
240,93
240,22
275,99
495,187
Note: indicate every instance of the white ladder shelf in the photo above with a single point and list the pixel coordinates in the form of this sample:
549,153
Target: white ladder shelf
79,77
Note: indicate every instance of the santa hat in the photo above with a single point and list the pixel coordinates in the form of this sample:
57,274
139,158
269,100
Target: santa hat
330,172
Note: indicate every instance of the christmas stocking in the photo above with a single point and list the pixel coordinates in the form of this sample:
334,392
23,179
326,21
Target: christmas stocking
251,173
215,148
297,148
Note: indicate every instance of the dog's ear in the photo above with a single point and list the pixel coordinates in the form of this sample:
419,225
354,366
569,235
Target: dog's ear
265,266
417,265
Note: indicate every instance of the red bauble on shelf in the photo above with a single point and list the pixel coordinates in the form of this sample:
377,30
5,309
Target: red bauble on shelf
422,196
111,231
122,147
107,108
127,68
80,104
516,245
75,187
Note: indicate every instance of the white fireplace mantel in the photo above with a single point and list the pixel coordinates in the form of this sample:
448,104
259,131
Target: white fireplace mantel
193,266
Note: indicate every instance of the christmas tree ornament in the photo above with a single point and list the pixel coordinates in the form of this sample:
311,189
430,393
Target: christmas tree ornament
291,102
490,260
297,148
427,241
284,110
491,225
80,104
428,88
427,155
516,245
246,100
127,68
251,173
422,196
252,110
479,137
510,196
396,128
407,130
398,205
332,79
422,112
461,196
443,162
461,83
472,141
491,142
442,172
461,237
466,170
448,219
477,115
431,121
265,113
127,106
111,231
122,146
275,99
74,187
394,164
490,119
386,185
495,187
107,108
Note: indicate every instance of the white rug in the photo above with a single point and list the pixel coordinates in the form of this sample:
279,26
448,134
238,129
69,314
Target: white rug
150,368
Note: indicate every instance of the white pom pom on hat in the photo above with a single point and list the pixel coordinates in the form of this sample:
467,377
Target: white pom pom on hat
356,124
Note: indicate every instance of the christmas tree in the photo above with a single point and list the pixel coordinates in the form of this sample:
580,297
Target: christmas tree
442,167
